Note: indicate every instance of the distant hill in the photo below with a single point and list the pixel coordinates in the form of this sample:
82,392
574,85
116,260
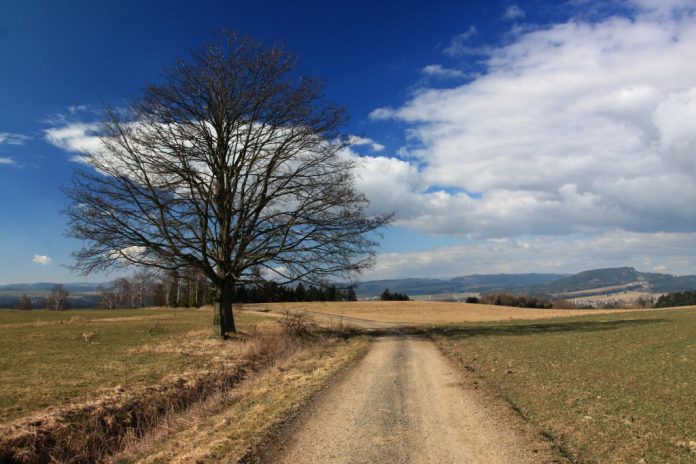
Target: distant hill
47,286
596,281
82,294
475,283
596,278
614,280
586,283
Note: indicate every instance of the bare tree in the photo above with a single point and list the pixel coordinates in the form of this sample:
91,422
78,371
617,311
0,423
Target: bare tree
172,288
58,299
233,167
141,284
107,298
124,292
158,293
25,302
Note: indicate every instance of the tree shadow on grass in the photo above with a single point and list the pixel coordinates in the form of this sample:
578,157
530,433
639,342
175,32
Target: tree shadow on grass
514,329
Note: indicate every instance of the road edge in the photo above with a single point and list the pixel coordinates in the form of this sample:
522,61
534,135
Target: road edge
505,408
272,444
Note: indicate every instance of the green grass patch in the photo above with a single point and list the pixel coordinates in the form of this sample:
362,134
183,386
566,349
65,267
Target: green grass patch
56,358
611,388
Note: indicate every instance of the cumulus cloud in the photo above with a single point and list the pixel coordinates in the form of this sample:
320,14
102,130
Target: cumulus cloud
42,260
13,139
385,181
358,141
577,128
76,137
437,70
674,121
381,113
6,160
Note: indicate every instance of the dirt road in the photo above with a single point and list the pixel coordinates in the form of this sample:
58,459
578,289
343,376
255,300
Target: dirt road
404,403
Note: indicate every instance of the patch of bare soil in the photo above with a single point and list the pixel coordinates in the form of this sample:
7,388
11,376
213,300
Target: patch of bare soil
405,403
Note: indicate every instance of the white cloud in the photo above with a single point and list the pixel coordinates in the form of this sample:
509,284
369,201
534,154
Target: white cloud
73,109
6,160
76,137
437,70
382,113
358,141
13,139
460,44
388,183
578,128
513,12
674,120
659,252
42,260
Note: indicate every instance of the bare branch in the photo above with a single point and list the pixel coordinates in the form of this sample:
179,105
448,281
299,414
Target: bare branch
230,166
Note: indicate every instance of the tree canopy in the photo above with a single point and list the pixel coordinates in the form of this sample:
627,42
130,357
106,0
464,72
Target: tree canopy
232,166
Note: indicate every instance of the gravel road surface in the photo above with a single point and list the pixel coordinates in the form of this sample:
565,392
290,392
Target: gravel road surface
404,403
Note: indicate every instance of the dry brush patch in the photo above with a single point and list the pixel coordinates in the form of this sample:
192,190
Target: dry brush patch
233,427
612,388
91,430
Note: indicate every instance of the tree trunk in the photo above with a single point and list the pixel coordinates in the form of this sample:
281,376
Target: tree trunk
178,292
223,307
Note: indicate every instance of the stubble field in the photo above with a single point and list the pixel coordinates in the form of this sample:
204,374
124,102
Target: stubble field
425,312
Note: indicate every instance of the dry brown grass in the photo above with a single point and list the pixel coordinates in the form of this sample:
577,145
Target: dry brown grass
427,312
233,426
50,358
91,430
85,432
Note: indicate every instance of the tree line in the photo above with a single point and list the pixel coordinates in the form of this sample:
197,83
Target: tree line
508,299
180,288
187,288
57,300
192,289
393,296
676,299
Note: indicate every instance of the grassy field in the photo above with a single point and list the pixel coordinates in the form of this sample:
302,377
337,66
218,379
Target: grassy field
608,388
427,312
55,358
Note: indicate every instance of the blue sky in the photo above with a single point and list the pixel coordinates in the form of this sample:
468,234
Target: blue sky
537,136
